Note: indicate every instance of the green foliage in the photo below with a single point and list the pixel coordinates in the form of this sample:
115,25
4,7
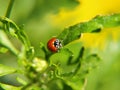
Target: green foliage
64,70
9,87
5,43
95,25
4,70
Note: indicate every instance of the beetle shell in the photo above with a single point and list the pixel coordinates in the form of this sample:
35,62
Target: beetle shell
54,45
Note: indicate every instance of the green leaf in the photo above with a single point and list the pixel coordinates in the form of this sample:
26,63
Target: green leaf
89,63
72,74
4,70
76,83
19,32
61,59
14,30
5,42
9,87
95,25
20,80
3,50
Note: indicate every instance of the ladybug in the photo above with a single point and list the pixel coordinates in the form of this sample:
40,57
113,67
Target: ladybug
54,45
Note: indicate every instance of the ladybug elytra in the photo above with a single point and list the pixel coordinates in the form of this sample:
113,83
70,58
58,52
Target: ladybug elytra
54,45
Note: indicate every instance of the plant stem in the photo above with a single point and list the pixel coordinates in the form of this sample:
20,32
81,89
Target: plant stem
9,8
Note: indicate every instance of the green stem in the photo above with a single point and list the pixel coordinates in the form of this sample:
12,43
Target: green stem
9,8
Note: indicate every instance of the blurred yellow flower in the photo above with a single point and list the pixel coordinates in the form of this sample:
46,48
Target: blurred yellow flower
86,10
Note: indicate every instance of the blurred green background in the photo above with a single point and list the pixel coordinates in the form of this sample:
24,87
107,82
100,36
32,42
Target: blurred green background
43,19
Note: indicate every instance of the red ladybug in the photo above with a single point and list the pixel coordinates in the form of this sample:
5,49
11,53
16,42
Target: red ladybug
54,45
